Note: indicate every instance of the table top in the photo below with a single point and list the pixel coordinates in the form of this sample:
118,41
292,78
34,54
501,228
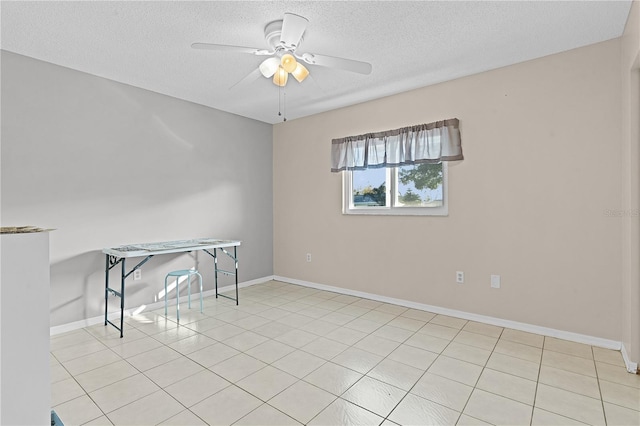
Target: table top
166,247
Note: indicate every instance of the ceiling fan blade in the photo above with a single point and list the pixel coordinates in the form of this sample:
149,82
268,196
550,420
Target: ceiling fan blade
339,63
228,48
249,78
293,27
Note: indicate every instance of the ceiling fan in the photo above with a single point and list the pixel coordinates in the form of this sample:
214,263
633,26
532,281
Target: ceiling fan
284,38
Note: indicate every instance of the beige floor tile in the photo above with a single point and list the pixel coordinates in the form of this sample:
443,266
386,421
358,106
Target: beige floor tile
378,316
333,378
274,313
448,321
412,356
205,324
569,404
608,355
173,371
319,327
440,331
314,312
339,318
466,420
129,349
467,353
184,418
273,329
414,410
192,344
569,348
396,334
296,338
325,348
212,355
226,406
572,382
302,401
443,391
224,332
374,395
569,363
58,372
173,335
341,412
266,415
427,342
65,390
612,373
295,320
79,350
497,410
522,337
345,298
155,326
363,325
78,411
231,316
270,351
547,418
625,396
153,358
245,341
518,350
478,340
516,366
267,383
377,345
124,392
419,315
195,388
358,360
299,363
396,374
111,337
90,362
151,409
346,336
104,376
100,421
621,416
481,328
70,338
367,303
237,367
354,311
457,370
251,322
507,385
391,308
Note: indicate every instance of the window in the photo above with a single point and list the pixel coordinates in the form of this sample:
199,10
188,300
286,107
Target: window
419,189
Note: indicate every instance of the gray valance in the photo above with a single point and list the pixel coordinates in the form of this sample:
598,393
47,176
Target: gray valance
424,143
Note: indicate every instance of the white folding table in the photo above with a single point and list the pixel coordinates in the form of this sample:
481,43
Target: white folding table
117,255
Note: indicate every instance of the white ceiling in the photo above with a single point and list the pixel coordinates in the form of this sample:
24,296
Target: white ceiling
409,44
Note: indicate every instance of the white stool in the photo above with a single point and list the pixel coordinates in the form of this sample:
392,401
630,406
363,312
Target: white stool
181,273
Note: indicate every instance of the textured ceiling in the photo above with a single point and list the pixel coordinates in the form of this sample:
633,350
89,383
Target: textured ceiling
409,44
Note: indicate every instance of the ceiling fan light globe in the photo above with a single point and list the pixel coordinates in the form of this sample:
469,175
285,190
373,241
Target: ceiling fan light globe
288,62
268,67
300,73
280,77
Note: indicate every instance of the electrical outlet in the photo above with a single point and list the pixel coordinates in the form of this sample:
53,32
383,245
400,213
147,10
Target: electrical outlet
495,281
308,257
137,274
459,277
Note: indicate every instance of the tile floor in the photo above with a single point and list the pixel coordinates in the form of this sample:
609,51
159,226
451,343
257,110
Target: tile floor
292,355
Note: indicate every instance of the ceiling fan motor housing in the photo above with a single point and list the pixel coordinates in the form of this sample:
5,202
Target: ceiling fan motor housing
272,33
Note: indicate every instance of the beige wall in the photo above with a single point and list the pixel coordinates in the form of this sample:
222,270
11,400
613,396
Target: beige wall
631,183
542,146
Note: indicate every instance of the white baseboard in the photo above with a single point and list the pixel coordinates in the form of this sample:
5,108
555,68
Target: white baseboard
632,367
545,331
58,329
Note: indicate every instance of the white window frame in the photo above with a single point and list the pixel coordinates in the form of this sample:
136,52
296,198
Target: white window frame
391,209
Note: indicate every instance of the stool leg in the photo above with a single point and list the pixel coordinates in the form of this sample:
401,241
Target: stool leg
178,298
165,295
189,288
200,277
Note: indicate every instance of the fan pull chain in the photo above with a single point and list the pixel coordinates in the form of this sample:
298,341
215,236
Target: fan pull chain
282,103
